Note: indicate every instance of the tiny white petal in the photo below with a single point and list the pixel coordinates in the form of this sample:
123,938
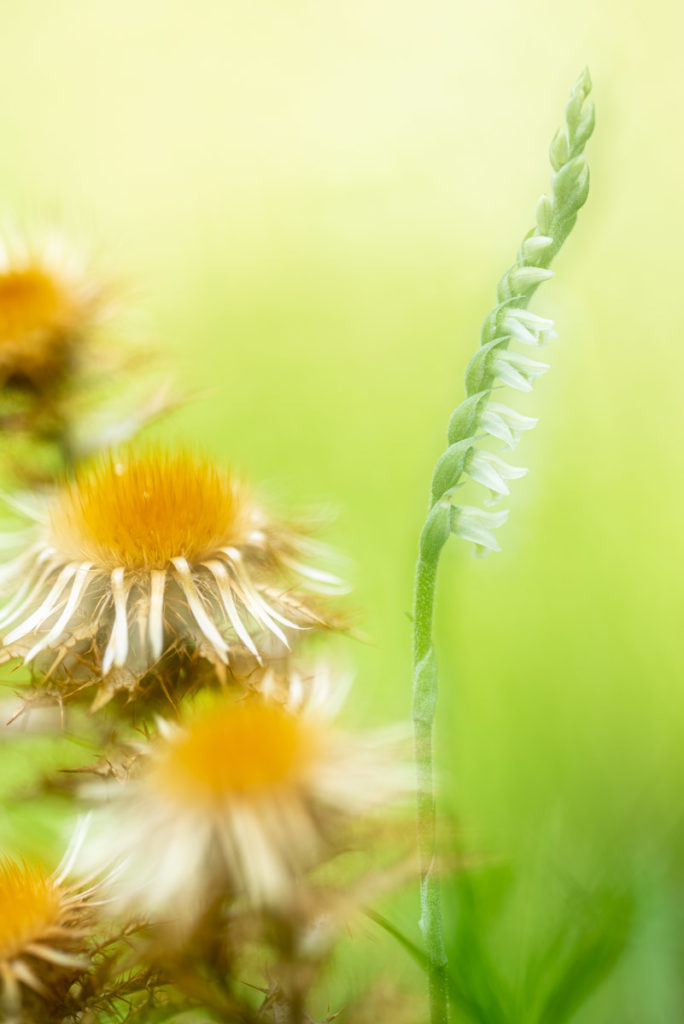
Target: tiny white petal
508,375
78,588
504,423
197,608
532,320
496,425
504,468
518,370
491,471
532,367
475,525
528,328
484,473
223,585
536,244
519,331
155,624
37,618
523,278
516,420
117,647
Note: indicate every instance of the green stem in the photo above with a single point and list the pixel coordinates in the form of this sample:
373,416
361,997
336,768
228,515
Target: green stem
424,702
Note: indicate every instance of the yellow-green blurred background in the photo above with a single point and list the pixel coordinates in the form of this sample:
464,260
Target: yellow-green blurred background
314,201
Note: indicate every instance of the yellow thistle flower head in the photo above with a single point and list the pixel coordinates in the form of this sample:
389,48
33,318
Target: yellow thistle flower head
139,554
43,928
49,302
240,801
29,906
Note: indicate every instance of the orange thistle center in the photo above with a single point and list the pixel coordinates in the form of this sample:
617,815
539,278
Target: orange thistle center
29,906
30,302
141,512
235,749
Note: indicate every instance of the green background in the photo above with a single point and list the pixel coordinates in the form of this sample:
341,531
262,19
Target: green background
313,202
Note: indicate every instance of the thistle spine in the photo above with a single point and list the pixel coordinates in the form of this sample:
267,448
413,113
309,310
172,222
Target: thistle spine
493,365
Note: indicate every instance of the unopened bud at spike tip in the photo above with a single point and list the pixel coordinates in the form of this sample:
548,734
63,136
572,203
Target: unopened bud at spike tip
560,149
522,278
536,244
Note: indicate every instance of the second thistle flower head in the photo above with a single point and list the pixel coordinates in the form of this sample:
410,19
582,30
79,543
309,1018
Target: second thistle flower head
141,554
240,801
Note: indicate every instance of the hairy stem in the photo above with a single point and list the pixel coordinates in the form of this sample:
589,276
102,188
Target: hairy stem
424,699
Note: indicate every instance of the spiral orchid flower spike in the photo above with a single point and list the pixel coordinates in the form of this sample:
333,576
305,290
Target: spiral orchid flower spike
478,418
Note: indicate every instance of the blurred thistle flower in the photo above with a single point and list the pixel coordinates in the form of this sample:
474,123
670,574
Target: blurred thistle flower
60,369
140,555
239,801
49,303
44,924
